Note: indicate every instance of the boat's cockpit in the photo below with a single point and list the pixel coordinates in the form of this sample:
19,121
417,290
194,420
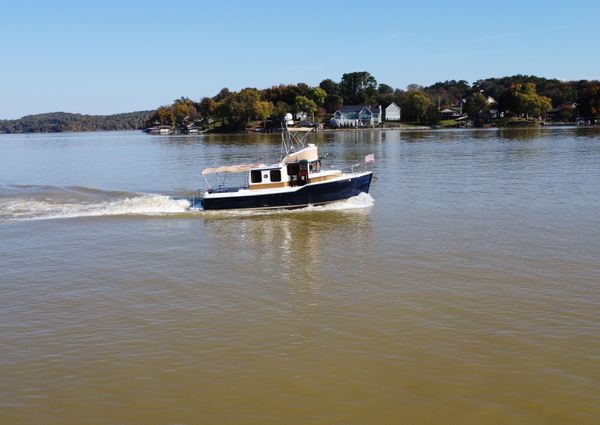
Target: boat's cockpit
296,173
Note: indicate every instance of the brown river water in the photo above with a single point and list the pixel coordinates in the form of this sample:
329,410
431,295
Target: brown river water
464,290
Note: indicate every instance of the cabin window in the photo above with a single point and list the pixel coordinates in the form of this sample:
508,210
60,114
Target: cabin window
256,176
292,169
303,168
275,175
315,166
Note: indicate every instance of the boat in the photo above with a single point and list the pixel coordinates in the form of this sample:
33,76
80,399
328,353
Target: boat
297,180
159,129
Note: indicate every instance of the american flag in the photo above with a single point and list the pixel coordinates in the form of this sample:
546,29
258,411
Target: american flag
369,159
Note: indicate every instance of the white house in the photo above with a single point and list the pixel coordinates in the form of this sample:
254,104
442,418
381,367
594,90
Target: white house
301,116
357,116
392,112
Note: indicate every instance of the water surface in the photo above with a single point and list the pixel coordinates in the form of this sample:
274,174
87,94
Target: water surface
464,290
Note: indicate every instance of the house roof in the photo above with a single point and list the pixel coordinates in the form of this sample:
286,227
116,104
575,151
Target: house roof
352,108
357,108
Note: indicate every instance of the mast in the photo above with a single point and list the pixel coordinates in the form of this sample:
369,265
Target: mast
290,140
286,142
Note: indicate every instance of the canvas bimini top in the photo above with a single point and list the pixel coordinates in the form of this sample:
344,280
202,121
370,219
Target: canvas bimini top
240,168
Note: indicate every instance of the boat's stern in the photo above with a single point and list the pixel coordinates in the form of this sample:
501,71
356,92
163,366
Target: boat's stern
196,204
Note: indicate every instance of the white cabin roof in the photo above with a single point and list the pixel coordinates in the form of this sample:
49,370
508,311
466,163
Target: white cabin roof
240,168
309,153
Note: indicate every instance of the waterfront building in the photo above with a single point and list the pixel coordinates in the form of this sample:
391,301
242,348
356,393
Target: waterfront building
357,116
391,112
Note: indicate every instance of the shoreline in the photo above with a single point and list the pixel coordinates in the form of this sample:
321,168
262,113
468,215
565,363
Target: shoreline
336,130
410,129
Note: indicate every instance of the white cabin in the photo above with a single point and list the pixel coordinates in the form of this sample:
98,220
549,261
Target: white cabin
296,169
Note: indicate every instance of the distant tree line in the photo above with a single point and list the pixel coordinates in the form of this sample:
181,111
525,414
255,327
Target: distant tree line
514,96
56,122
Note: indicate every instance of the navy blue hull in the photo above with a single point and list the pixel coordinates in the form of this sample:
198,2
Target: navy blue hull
314,194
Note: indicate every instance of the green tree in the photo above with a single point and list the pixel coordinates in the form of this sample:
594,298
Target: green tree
166,116
476,103
358,87
333,103
281,93
304,104
240,106
220,111
385,94
450,92
588,98
417,104
280,109
523,100
400,97
414,87
331,87
334,100
318,95
184,110
385,89
263,110
223,95
206,108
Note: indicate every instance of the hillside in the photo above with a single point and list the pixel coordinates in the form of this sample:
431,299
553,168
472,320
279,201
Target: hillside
56,122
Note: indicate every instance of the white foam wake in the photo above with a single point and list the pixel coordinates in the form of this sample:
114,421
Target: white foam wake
56,203
362,200
30,209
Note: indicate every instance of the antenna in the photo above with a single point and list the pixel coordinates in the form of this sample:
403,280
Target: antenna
291,137
286,143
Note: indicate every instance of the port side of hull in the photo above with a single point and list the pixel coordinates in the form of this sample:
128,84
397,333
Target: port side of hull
311,194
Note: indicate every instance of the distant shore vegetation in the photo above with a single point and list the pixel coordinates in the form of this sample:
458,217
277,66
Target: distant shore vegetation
505,101
499,101
56,122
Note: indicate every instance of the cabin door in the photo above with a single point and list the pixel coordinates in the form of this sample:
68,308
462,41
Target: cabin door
303,172
298,172
293,171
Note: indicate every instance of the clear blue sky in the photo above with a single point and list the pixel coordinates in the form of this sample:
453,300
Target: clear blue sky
120,56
